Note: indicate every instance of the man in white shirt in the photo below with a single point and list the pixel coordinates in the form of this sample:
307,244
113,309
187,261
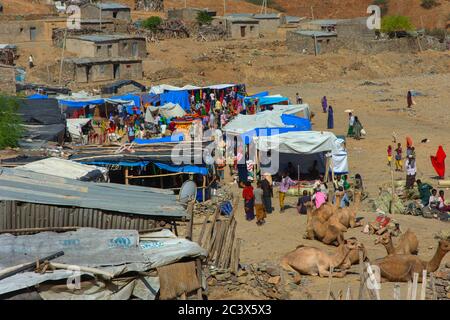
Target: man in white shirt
411,170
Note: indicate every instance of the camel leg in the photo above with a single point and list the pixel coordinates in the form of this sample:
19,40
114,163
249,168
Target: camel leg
326,273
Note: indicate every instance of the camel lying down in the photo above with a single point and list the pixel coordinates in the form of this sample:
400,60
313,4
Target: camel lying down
316,262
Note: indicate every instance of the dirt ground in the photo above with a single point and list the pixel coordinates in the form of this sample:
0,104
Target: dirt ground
283,232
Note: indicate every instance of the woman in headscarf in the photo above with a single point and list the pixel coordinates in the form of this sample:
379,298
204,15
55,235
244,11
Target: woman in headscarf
438,162
249,201
357,127
330,124
409,99
324,104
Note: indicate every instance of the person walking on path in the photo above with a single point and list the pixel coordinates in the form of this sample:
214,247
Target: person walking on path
411,170
286,182
330,120
249,201
259,206
266,186
324,104
351,123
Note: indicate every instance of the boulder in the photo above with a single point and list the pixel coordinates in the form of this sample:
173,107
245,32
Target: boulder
273,271
212,282
274,280
242,279
223,276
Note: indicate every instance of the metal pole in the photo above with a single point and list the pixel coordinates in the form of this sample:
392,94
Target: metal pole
62,57
315,45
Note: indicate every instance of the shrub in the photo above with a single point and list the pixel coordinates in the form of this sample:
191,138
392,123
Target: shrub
203,18
383,4
152,23
428,4
396,23
10,122
437,33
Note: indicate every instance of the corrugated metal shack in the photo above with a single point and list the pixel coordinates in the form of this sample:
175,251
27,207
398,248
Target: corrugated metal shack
34,200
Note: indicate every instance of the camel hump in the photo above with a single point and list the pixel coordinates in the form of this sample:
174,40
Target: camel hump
300,246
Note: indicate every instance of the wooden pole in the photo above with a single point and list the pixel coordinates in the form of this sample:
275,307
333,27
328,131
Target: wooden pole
204,189
312,12
361,276
200,279
330,277
202,232
433,286
374,281
424,285
62,57
315,45
126,176
190,225
414,286
237,253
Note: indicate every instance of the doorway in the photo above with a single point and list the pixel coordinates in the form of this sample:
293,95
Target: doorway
242,31
32,33
88,73
134,49
116,71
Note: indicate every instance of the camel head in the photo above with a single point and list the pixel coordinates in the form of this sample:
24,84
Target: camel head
444,245
384,239
353,243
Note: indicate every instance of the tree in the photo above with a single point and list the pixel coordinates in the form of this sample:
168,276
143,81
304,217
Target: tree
152,23
428,4
203,18
391,24
11,128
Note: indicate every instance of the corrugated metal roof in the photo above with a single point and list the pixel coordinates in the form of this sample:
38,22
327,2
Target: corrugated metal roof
106,37
21,185
325,22
312,33
101,60
111,6
267,16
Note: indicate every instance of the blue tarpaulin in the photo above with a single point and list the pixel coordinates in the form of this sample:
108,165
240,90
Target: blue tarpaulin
173,138
186,169
81,103
117,163
298,122
271,100
176,97
37,96
129,97
151,98
257,95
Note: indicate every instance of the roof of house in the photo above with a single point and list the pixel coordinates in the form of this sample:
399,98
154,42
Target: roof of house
267,16
293,19
106,37
112,6
312,33
325,22
241,19
26,186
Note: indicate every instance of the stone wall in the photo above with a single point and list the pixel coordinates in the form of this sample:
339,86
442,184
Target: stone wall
7,80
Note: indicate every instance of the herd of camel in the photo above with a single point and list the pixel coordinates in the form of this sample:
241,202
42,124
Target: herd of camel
328,225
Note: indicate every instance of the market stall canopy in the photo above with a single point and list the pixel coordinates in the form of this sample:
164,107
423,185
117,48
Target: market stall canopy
306,142
74,126
66,169
159,89
169,111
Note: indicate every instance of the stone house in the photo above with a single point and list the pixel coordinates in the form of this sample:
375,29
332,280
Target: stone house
238,27
107,45
269,22
187,14
17,31
88,70
311,41
105,10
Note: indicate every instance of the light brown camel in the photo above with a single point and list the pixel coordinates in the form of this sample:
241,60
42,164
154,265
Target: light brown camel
326,232
407,243
347,216
312,261
401,267
353,256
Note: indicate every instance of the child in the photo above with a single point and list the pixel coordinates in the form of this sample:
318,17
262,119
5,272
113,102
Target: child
389,155
398,158
259,207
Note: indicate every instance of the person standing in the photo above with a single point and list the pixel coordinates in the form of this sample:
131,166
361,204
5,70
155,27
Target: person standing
286,182
249,201
389,155
31,61
266,186
259,206
411,170
357,129
330,122
324,104
351,122
409,99
398,158
298,99
303,203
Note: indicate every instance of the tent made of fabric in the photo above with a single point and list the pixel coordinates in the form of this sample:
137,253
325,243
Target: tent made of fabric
176,97
129,97
303,148
66,169
74,126
169,111
185,168
267,119
294,109
266,99
80,103
160,89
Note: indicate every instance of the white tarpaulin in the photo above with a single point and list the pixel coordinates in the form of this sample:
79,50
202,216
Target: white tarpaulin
114,251
74,127
67,169
165,87
294,109
169,110
244,123
299,142
340,158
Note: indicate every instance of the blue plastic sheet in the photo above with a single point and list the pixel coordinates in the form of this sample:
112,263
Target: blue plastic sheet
173,138
176,97
186,169
80,104
298,122
37,96
119,163
129,97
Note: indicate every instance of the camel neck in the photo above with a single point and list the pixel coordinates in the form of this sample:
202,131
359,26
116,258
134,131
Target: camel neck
435,262
341,252
390,247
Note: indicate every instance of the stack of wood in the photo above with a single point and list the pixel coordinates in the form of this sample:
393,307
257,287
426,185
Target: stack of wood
218,237
8,56
168,29
150,5
439,289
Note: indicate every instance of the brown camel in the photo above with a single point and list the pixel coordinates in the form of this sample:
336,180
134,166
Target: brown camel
401,267
353,256
347,216
326,232
313,261
407,243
